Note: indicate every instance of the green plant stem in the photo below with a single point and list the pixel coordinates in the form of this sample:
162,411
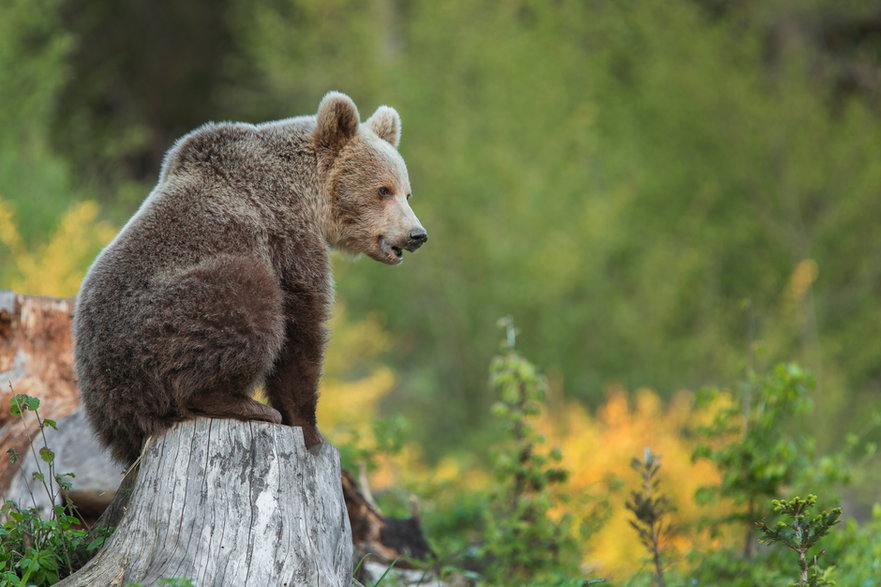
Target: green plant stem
40,540
656,539
27,433
803,565
656,555
649,511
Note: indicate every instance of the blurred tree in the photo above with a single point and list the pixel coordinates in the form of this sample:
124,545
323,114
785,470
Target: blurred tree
653,188
33,179
746,180
143,73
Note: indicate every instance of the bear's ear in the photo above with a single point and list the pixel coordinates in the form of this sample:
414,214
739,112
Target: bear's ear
337,121
386,123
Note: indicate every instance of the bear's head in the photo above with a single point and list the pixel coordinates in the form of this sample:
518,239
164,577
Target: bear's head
365,181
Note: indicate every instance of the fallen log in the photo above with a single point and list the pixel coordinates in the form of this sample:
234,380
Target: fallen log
383,540
36,358
36,352
222,502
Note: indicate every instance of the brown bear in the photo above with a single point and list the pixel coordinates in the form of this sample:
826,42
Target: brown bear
221,280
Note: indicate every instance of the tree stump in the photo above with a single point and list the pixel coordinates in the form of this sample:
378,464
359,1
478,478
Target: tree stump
223,502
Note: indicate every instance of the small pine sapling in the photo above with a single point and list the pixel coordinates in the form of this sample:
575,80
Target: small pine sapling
800,532
649,508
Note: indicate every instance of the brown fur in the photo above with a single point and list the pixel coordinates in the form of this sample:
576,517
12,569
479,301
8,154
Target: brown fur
221,280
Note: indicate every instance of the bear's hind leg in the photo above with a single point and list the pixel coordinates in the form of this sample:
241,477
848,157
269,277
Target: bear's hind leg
215,331
227,404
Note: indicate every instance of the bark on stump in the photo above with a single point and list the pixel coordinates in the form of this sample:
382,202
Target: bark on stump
223,502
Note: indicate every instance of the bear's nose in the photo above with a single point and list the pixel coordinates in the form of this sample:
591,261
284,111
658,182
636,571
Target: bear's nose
418,236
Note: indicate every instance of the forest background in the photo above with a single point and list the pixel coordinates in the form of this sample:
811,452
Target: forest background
664,195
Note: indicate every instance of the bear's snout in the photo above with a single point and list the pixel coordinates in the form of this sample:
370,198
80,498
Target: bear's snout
417,238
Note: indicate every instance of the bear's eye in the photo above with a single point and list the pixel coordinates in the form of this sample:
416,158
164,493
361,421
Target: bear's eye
408,196
384,192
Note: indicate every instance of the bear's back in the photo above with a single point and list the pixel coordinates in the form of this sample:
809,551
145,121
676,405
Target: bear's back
207,203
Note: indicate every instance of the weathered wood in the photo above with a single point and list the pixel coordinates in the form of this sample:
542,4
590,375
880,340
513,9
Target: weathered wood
223,502
36,357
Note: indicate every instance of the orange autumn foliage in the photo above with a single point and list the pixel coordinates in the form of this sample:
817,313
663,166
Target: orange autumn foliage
597,450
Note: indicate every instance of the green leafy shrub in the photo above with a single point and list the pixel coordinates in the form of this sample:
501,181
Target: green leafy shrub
758,447
524,543
763,451
34,551
856,550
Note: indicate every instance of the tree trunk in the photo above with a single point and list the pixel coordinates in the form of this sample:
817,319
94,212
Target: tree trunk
222,502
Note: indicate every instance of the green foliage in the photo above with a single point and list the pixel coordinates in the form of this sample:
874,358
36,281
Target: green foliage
758,441
452,517
644,184
34,551
382,577
22,403
650,507
140,75
387,438
523,543
800,533
549,144
856,551
33,53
